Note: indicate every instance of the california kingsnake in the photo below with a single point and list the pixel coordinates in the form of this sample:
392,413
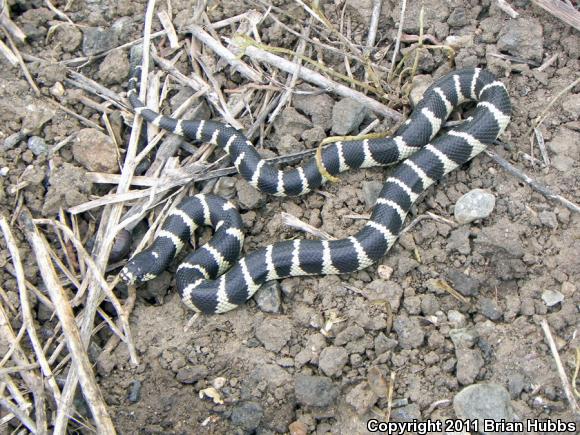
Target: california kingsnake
201,280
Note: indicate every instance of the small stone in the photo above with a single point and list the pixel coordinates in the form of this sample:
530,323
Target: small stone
313,135
419,85
292,123
371,190
247,415
469,362
314,390
269,298
409,332
380,290
114,68
383,343
456,319
36,116
458,18
410,412
565,142
134,392
332,360
361,398
523,38
347,116
475,204
317,106
406,265
377,382
548,219
429,304
191,374
37,145
95,151
490,309
385,272
97,40
248,197
459,241
464,284
298,428
552,297
273,333
483,401
571,104
349,334
225,187
516,384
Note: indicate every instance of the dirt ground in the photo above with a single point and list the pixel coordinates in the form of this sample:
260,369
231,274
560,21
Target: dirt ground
319,354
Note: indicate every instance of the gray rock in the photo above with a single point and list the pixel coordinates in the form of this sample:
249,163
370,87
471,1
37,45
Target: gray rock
552,297
225,187
380,289
459,241
292,123
378,382
429,304
409,332
464,284
371,190
490,309
37,145
269,298
332,359
412,304
347,116
274,375
273,333
384,344
361,398
192,374
458,18
97,40
463,338
571,104
317,106
248,197
348,334
406,265
524,37
288,144
157,288
315,390
475,204
456,319
516,384
548,219
247,415
483,401
406,413
469,362
95,151
134,391
565,142
314,135
563,163
114,68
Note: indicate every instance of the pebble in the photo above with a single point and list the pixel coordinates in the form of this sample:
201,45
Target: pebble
349,334
370,191
565,142
458,18
273,333
523,38
361,398
95,151
292,123
571,104
36,116
269,298
490,309
459,241
383,343
429,304
552,297
135,391
114,68
409,412
97,40
381,289
456,319
318,107
516,384
347,115
248,197
297,428
332,360
409,332
385,272
475,204
548,219
225,187
469,362
483,401
464,284
192,374
37,145
377,382
247,415
315,390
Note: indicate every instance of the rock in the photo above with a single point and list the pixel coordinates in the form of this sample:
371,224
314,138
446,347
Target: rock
475,204
314,390
552,297
419,85
456,319
548,219
412,304
134,392
269,298
464,284
378,382
483,401
248,197
37,145
95,151
361,398
429,304
68,36
247,415
288,144
273,333
114,68
225,187
314,135
499,239
292,123
97,40
458,18
571,104
347,116
380,290
406,413
383,343
37,114
317,106
489,308
298,428
516,384
348,334
68,187
459,241
563,163
332,359
274,375
406,265
463,338
523,38
192,374
469,362
565,142
409,332
371,190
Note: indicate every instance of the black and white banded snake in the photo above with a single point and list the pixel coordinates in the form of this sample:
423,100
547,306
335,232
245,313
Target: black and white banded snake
213,280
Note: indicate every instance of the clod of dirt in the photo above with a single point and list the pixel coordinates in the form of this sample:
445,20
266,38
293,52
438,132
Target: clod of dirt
316,391
361,398
274,333
95,151
409,331
114,68
483,401
332,360
524,37
347,116
68,187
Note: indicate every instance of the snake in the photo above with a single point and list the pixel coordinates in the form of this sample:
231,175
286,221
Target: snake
214,279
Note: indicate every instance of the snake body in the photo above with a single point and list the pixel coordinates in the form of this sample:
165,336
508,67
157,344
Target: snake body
213,280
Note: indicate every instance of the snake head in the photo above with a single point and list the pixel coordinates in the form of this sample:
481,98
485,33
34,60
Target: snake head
138,269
